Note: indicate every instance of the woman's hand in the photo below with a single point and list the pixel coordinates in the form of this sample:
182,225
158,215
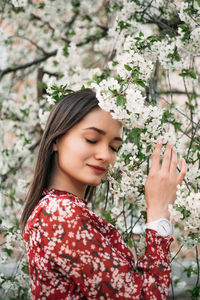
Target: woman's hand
162,181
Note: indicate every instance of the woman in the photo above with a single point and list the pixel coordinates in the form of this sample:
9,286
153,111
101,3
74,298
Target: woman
72,253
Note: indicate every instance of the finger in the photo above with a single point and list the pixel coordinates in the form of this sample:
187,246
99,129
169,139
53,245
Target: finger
155,163
173,164
183,171
167,157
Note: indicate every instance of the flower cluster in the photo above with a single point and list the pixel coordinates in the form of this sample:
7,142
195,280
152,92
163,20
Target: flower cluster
186,210
19,3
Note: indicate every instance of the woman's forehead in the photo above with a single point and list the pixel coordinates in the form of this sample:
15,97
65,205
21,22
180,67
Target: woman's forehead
101,119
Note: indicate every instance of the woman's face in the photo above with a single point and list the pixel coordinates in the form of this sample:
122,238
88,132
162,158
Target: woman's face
84,153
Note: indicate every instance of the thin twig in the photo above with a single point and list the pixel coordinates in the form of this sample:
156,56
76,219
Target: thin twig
172,288
192,139
176,253
30,41
182,113
198,267
107,196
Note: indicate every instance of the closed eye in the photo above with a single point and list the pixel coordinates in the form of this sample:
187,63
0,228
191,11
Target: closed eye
114,149
94,142
91,142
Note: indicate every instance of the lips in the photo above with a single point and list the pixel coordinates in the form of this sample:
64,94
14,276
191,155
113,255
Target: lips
97,169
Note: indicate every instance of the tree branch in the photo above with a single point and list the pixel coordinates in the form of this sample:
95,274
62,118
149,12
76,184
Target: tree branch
27,65
177,92
30,41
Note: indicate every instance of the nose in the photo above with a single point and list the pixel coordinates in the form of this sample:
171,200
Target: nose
104,154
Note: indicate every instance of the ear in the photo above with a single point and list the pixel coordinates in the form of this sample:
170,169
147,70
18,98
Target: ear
55,147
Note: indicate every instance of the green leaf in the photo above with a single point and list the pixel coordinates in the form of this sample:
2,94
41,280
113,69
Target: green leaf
114,63
25,269
8,251
186,213
75,3
183,27
107,216
141,83
177,125
195,292
65,51
144,214
41,5
128,68
134,135
188,72
41,85
130,243
149,147
123,25
190,106
177,58
192,74
120,100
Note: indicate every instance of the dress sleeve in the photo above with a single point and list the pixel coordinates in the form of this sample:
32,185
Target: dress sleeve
100,270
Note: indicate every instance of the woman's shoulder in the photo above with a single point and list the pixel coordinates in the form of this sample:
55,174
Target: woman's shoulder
58,206
55,205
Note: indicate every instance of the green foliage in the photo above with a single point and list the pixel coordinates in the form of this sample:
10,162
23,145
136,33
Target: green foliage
195,292
120,100
141,83
186,29
186,213
8,251
174,55
65,51
108,217
59,92
189,73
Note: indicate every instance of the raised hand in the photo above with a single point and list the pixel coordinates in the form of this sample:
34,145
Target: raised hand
162,181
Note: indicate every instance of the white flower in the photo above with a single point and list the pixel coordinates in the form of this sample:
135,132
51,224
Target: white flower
50,100
19,3
43,115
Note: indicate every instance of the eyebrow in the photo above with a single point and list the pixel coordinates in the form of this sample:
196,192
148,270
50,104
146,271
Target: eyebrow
117,138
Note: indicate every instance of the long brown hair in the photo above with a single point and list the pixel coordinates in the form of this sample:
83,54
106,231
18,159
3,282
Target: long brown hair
65,114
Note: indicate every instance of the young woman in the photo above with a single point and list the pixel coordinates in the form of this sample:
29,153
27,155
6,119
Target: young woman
73,253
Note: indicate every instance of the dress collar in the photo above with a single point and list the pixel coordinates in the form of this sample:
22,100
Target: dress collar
56,192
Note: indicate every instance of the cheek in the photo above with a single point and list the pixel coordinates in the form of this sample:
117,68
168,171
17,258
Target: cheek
113,159
76,150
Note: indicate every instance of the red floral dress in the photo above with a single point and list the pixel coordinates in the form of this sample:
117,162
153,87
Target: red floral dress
74,254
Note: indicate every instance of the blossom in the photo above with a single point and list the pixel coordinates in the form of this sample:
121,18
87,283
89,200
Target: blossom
19,3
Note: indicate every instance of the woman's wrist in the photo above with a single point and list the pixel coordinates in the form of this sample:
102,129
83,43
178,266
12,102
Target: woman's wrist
155,214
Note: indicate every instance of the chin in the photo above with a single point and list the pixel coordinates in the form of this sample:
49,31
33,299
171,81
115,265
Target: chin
94,183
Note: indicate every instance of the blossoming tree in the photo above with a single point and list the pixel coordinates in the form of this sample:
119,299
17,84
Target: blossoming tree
142,59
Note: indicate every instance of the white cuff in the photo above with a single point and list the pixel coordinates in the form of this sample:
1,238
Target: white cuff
163,227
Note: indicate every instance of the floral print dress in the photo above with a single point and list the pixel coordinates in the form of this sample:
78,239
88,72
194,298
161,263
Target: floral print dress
74,254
